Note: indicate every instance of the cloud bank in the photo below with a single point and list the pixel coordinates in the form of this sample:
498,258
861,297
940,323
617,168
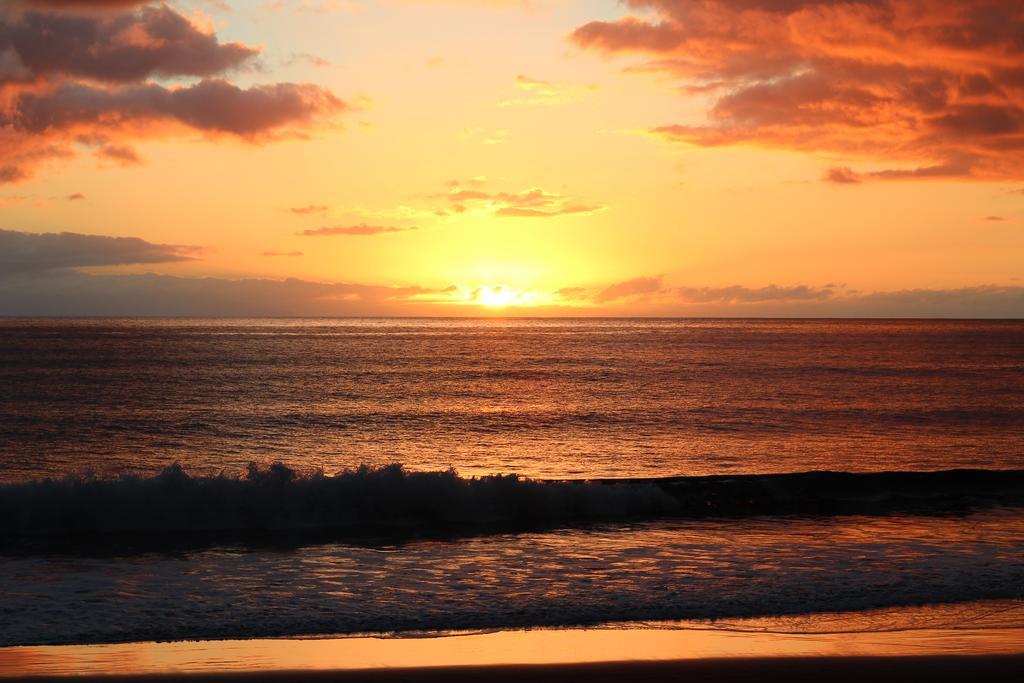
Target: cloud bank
22,252
71,293
40,276
653,296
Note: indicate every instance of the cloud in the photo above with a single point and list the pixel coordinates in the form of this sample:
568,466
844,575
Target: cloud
737,294
314,6
69,292
80,4
561,210
630,289
23,252
546,93
964,302
281,253
75,197
841,175
653,289
213,106
155,41
79,294
995,219
477,134
309,209
92,80
652,296
534,202
361,230
918,90
122,154
306,58
573,294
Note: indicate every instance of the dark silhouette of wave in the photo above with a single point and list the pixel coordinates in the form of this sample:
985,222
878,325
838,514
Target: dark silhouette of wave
392,500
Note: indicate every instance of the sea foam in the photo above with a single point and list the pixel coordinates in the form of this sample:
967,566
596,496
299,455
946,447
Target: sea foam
392,499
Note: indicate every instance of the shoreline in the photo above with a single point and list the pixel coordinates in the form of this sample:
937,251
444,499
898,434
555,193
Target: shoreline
809,669
973,637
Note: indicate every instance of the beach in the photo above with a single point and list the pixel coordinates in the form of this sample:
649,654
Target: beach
812,670
941,642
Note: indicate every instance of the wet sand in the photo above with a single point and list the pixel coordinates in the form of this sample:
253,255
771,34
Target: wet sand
982,640
811,669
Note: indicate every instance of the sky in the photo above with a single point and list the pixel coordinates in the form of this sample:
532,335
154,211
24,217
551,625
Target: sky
512,157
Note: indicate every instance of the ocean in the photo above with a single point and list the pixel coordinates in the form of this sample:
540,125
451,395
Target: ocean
181,479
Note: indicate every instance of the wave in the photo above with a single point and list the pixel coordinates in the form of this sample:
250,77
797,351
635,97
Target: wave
393,500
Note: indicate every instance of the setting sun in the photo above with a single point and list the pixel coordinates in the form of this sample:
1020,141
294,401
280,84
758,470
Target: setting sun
502,296
496,296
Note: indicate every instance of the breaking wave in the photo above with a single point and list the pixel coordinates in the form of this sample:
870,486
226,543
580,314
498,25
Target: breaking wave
393,500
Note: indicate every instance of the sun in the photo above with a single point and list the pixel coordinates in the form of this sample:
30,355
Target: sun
496,296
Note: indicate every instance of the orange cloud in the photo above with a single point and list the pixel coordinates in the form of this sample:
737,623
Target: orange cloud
927,89
88,80
358,230
309,209
630,289
534,202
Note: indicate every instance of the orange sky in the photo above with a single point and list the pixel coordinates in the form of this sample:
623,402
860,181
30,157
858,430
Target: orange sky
459,157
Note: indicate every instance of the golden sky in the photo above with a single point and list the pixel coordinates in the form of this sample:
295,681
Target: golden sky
549,157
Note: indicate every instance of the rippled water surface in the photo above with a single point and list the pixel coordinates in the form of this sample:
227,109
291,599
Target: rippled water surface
669,570
549,398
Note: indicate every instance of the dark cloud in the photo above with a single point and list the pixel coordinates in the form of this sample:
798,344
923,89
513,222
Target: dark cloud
155,41
81,4
988,301
651,296
23,252
213,106
931,87
75,197
70,293
357,230
122,154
